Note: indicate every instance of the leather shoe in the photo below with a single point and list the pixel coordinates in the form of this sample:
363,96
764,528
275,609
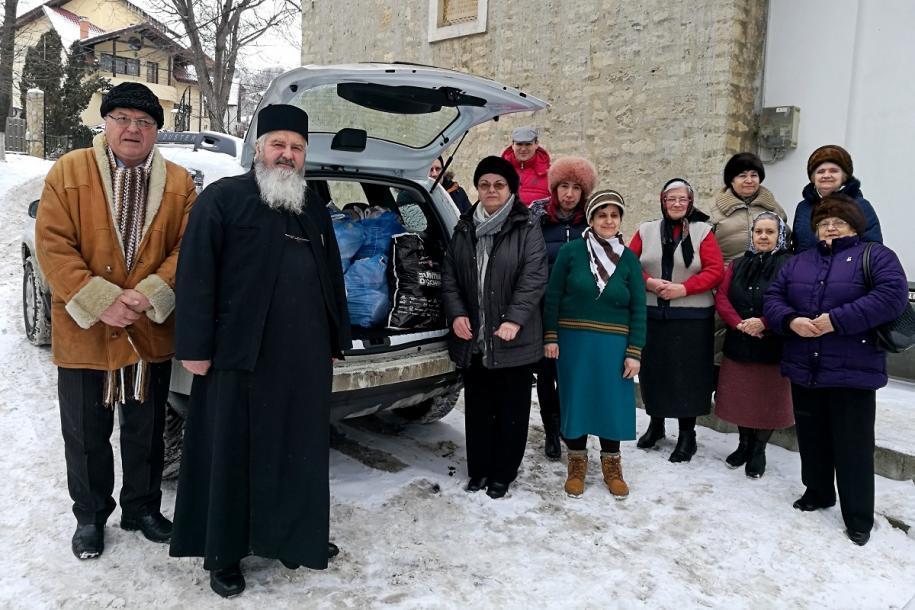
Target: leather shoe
332,551
859,538
88,540
496,490
154,526
227,582
808,503
475,484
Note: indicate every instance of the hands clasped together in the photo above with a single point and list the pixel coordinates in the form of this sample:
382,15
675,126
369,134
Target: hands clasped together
818,326
126,309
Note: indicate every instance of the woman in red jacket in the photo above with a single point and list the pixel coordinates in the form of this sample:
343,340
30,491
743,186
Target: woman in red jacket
682,264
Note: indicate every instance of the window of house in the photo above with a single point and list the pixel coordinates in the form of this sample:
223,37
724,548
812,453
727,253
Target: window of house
152,72
119,65
453,18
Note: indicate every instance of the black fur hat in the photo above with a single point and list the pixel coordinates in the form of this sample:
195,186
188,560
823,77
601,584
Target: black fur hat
135,96
742,162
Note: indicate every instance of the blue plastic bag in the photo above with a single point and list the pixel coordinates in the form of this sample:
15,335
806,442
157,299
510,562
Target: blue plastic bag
367,296
377,231
349,238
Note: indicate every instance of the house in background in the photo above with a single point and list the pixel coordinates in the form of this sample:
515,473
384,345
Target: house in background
127,44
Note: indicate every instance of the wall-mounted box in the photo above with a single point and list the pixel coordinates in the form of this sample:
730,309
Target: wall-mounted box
778,127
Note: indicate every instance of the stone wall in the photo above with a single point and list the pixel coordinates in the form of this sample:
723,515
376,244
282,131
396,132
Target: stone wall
647,90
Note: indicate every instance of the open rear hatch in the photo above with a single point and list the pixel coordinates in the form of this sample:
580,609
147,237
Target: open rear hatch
391,119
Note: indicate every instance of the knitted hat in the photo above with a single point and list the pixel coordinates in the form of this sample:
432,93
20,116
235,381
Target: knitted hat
743,162
573,169
282,117
831,153
497,165
839,205
135,96
602,199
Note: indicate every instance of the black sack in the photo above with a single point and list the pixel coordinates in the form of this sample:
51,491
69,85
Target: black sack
897,335
417,286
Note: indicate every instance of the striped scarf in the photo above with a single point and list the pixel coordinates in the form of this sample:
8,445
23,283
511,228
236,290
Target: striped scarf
128,186
603,256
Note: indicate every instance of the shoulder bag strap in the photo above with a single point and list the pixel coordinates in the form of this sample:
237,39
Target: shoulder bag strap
866,260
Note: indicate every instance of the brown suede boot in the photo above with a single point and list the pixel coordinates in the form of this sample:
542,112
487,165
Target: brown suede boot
612,467
578,468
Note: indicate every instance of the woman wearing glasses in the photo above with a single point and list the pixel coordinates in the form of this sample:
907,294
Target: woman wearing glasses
682,264
494,276
826,311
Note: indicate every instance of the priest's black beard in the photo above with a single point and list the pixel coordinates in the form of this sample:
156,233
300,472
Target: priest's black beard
281,189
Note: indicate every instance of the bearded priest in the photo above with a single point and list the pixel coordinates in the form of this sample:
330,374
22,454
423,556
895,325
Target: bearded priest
261,314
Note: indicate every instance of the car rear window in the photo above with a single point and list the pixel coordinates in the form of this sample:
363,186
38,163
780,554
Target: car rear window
329,113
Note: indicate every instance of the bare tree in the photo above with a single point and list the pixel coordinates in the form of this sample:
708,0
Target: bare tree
216,31
7,48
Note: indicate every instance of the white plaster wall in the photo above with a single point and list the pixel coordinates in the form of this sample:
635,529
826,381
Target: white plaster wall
848,65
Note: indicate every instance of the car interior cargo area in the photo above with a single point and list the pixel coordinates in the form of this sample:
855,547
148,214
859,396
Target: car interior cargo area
391,249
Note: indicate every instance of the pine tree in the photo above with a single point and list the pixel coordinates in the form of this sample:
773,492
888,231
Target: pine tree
67,88
44,69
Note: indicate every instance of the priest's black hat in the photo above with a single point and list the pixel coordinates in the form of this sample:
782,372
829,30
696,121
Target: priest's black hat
282,117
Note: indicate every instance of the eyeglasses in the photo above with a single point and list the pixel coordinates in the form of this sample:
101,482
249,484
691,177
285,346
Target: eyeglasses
835,223
124,121
683,200
495,186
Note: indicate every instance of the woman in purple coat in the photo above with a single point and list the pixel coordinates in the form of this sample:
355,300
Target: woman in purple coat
827,313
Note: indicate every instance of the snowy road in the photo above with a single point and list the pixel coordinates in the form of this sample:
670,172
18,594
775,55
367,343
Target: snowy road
693,535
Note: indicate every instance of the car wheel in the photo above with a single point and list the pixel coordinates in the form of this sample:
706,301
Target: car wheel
35,313
432,409
174,441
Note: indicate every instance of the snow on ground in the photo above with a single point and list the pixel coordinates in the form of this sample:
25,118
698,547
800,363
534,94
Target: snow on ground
689,535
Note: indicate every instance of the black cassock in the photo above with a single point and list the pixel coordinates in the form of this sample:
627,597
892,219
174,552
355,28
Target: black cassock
254,473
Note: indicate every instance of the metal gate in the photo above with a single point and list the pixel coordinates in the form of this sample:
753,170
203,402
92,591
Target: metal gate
15,135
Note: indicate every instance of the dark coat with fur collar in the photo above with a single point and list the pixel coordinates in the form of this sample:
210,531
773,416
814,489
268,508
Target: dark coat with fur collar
227,269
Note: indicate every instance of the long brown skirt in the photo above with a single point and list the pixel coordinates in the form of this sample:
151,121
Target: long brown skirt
753,395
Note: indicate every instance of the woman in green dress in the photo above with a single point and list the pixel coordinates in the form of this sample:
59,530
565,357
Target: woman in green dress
594,323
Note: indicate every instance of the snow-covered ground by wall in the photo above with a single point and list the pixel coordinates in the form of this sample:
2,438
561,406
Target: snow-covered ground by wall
690,535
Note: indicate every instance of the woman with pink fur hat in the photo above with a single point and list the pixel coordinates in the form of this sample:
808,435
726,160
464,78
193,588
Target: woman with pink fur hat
562,218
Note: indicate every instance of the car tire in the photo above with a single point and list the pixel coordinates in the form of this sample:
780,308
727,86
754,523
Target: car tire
35,313
431,409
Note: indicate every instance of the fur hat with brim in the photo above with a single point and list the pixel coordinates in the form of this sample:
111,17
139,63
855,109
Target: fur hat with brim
282,117
573,169
602,199
831,153
839,205
135,96
499,166
743,162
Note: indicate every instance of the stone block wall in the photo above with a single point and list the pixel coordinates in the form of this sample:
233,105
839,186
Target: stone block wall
647,90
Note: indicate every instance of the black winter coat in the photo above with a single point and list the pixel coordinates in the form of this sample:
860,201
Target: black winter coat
515,283
227,269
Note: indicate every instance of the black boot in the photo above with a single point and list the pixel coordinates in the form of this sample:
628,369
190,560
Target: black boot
686,446
654,433
739,457
227,582
756,464
552,448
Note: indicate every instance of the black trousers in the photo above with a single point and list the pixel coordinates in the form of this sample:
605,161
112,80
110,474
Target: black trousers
87,425
835,435
497,407
548,392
